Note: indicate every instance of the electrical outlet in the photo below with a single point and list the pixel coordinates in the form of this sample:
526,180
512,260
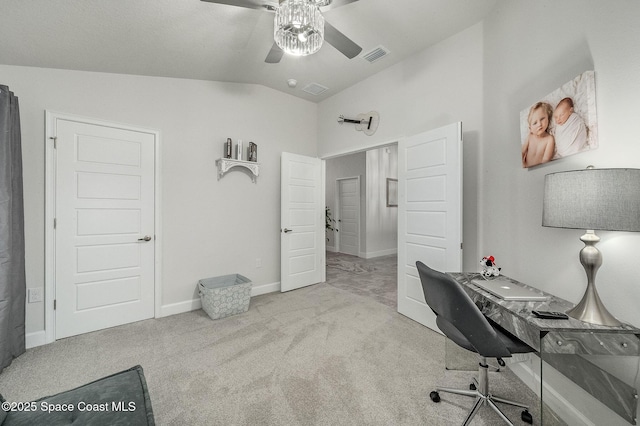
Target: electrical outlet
35,294
258,263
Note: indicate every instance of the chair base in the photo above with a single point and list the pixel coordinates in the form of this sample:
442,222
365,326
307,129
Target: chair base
480,391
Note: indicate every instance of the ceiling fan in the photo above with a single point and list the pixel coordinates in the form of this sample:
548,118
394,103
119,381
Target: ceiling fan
286,33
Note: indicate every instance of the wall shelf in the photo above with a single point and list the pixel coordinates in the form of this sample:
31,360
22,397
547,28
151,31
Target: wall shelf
226,164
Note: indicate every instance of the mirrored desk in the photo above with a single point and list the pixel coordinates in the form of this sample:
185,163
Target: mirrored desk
604,361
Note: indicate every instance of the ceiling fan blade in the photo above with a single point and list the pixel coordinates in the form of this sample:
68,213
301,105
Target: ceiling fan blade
340,41
337,3
274,55
250,4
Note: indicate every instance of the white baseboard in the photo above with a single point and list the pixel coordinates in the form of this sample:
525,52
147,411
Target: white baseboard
331,249
372,254
179,308
557,385
37,338
195,304
257,290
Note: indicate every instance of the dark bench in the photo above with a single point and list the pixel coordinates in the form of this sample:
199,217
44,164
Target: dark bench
119,399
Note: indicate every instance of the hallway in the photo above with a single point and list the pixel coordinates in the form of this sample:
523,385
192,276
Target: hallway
376,278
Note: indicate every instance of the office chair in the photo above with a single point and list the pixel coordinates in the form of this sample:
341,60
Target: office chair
462,322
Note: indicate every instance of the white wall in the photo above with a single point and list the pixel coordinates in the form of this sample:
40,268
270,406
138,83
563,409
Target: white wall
439,86
351,165
530,49
210,227
382,221
484,76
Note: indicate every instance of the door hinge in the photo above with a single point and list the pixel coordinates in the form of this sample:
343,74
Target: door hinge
55,223
55,304
55,141
460,246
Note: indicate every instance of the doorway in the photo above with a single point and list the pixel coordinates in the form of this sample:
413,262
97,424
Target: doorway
428,213
378,221
371,269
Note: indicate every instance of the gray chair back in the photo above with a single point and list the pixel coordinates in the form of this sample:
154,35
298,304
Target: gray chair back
457,316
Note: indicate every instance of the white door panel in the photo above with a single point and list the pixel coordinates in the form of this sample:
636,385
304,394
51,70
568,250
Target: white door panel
97,294
302,222
104,206
108,221
429,213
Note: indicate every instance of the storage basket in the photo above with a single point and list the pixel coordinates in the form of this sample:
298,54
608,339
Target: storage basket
225,295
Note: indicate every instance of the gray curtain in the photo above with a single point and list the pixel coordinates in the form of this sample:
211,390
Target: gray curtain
12,276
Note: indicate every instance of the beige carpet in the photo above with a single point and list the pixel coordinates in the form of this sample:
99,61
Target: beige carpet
320,355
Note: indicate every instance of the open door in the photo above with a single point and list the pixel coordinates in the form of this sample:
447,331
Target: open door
302,240
429,213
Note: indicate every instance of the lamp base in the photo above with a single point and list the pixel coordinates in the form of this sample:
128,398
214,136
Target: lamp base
591,309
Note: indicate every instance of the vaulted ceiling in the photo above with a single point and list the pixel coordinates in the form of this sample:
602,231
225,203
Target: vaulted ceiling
209,41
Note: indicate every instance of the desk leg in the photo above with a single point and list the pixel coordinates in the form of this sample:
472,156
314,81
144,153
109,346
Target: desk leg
605,365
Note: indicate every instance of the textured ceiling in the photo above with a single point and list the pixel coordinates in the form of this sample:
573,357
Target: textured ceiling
207,41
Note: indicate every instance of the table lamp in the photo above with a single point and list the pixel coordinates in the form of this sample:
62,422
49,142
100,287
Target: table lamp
592,199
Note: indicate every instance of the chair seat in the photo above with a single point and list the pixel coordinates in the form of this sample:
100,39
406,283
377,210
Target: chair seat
513,344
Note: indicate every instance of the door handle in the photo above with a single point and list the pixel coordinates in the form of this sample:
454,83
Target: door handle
286,231
145,238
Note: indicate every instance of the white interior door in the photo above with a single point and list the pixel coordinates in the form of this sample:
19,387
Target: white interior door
302,222
348,235
105,225
429,213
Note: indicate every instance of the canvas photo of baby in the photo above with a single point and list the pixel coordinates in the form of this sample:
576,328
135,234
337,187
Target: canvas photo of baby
562,123
539,147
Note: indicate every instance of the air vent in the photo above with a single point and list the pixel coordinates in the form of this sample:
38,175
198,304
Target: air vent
315,88
377,53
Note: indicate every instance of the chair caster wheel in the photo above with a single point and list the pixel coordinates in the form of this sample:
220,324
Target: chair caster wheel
472,386
435,396
527,417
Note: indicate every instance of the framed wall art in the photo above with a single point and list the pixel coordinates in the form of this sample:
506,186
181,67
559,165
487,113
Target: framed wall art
560,124
392,192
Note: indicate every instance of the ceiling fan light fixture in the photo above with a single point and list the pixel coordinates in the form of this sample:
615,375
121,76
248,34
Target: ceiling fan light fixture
299,27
